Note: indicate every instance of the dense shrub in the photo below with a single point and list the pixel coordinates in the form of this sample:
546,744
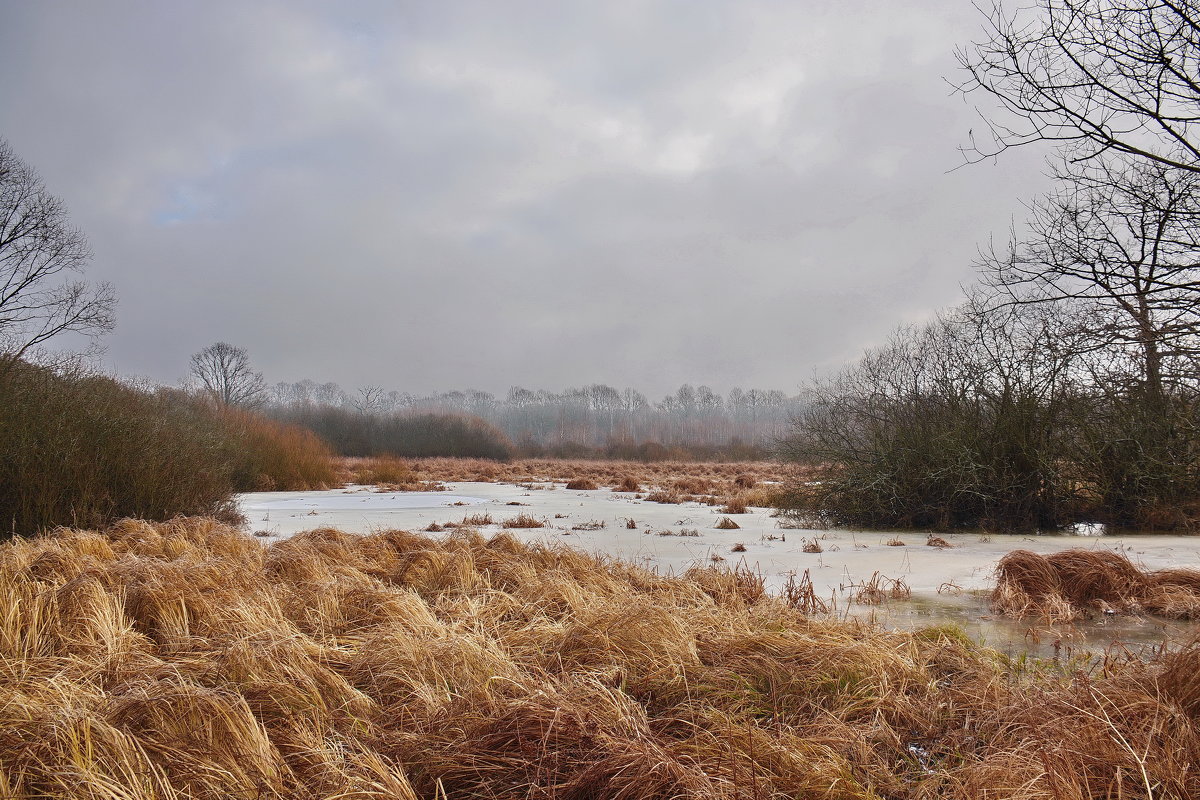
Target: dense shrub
352,433
962,423
268,455
81,449
997,421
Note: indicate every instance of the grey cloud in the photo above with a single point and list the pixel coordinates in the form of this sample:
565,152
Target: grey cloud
429,196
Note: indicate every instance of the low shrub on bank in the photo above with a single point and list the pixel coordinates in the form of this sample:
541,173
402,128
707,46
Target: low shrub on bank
188,660
80,449
272,456
85,450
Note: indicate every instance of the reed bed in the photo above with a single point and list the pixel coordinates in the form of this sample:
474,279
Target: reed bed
187,660
685,477
1079,583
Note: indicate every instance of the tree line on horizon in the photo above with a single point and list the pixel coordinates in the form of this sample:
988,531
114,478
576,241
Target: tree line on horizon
594,419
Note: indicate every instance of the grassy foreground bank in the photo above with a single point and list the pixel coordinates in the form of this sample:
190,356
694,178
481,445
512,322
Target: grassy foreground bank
186,659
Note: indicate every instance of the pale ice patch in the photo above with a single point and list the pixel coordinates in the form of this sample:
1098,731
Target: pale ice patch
342,501
354,509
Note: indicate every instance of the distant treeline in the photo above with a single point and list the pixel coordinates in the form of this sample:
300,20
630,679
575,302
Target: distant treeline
594,421
83,450
418,435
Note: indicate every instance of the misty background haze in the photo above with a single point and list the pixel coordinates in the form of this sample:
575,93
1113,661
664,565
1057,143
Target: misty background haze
428,197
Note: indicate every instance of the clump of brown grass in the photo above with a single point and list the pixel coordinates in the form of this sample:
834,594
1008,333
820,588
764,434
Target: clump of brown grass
582,484
735,505
738,548
1074,583
628,484
382,470
880,588
631,524
727,524
662,496
590,525
692,485
187,660
523,521
937,541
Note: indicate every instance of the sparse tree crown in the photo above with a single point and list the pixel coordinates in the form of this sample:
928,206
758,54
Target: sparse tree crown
39,251
224,372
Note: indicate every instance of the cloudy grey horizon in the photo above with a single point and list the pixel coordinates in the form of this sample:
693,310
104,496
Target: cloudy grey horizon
436,196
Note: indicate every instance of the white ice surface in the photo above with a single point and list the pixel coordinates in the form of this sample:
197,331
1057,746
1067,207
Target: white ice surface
849,556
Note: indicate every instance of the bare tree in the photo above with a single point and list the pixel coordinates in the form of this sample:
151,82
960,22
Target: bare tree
1120,243
1096,76
370,400
39,253
224,372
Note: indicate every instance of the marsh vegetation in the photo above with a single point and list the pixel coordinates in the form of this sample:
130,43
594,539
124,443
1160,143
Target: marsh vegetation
188,660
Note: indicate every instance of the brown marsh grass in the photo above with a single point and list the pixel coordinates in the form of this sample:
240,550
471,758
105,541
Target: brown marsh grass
275,456
625,476
187,660
523,520
1075,583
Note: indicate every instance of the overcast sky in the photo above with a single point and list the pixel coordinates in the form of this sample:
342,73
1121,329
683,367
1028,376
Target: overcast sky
444,195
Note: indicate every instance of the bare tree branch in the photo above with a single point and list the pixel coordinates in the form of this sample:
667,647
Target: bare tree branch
1098,77
39,251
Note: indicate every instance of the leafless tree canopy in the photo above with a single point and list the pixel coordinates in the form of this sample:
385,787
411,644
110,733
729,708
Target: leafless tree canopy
40,254
1121,242
224,372
1098,76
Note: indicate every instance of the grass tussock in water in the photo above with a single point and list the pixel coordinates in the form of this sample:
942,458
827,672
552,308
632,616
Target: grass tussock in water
186,660
1079,583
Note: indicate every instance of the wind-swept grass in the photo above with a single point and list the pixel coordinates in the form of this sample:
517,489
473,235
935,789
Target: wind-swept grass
187,660
1076,583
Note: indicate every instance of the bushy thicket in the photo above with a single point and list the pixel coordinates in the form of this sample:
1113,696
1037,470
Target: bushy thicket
995,421
81,449
353,433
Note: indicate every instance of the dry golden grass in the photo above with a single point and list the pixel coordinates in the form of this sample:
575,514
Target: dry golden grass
187,660
735,505
628,483
1076,583
394,474
627,476
523,521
